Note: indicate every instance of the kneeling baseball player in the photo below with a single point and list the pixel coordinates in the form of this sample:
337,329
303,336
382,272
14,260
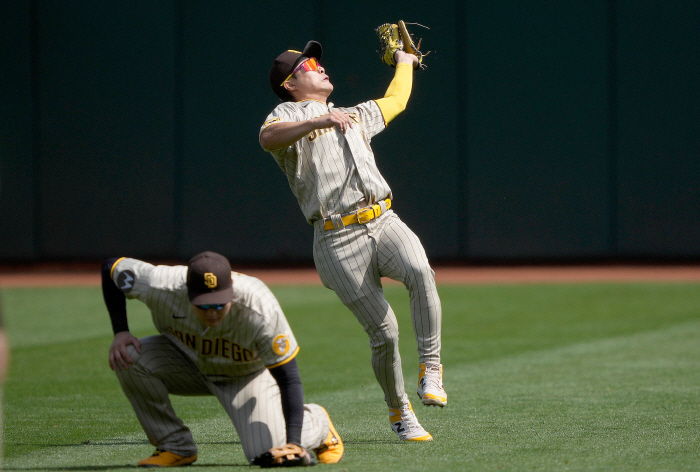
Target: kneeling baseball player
221,334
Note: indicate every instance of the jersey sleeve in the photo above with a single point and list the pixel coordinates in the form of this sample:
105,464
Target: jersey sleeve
133,278
274,342
371,119
283,113
277,344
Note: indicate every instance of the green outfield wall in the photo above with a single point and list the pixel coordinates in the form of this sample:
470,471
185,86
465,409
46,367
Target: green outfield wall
541,130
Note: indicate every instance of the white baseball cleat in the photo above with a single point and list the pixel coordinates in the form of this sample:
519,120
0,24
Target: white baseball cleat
406,425
430,389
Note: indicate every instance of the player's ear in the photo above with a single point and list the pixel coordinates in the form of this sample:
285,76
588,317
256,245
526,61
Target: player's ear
289,86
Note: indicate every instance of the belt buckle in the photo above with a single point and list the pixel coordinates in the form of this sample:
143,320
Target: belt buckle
365,215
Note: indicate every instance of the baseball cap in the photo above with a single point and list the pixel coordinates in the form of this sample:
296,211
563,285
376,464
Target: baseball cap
209,279
286,62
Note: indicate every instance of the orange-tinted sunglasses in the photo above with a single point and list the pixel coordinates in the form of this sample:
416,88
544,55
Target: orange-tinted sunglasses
308,65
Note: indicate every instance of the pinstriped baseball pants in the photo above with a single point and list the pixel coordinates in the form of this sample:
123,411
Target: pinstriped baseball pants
351,262
252,402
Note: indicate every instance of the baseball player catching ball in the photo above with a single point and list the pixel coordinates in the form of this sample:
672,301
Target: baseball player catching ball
221,334
326,155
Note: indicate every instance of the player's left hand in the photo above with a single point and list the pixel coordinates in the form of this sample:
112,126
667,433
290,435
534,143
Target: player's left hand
118,355
402,57
289,455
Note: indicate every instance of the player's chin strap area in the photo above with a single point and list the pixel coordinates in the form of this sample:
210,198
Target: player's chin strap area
361,216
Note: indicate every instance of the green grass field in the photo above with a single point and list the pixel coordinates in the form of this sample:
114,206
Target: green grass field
539,377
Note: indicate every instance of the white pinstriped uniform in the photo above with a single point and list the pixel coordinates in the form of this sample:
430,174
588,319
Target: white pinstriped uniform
229,361
331,175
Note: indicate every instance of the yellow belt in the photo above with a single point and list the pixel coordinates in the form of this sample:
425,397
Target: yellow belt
360,216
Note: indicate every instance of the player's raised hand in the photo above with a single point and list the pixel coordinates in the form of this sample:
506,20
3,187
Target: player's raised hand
118,354
403,57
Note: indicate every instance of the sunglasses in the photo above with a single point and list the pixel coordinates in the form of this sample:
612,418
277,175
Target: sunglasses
308,65
217,306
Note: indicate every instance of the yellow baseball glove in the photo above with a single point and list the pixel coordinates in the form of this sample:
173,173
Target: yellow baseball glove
394,38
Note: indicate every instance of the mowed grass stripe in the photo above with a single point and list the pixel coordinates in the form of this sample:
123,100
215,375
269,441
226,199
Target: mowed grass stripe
626,403
559,377
609,404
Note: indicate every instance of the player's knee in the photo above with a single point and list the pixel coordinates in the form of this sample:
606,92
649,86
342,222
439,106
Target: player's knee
365,306
419,272
133,353
124,374
384,344
383,337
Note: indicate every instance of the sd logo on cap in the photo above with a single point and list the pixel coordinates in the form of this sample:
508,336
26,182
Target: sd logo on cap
209,279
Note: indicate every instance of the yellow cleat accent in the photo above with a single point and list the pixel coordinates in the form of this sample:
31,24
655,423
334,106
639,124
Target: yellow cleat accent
430,388
332,449
435,398
406,425
166,459
427,437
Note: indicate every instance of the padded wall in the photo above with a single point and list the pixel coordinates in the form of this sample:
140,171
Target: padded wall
541,130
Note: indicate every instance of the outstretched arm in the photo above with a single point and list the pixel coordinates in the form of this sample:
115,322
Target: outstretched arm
396,96
282,134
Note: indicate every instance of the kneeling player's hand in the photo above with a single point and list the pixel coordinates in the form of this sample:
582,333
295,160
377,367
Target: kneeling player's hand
289,455
118,355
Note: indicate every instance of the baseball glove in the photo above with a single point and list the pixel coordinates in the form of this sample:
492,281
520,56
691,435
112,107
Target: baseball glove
394,38
289,455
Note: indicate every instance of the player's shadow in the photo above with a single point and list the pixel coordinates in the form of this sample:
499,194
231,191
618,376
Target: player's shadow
372,441
118,443
118,466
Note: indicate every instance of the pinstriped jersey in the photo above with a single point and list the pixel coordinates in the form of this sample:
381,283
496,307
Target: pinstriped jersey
330,172
254,335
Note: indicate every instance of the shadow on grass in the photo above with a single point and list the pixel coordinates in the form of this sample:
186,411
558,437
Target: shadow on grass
82,467
377,442
114,443
123,466
117,466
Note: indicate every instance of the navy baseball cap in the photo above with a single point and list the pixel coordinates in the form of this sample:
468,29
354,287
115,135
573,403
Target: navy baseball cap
286,62
209,279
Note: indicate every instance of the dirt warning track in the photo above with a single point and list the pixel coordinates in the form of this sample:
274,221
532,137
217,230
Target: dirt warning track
82,276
